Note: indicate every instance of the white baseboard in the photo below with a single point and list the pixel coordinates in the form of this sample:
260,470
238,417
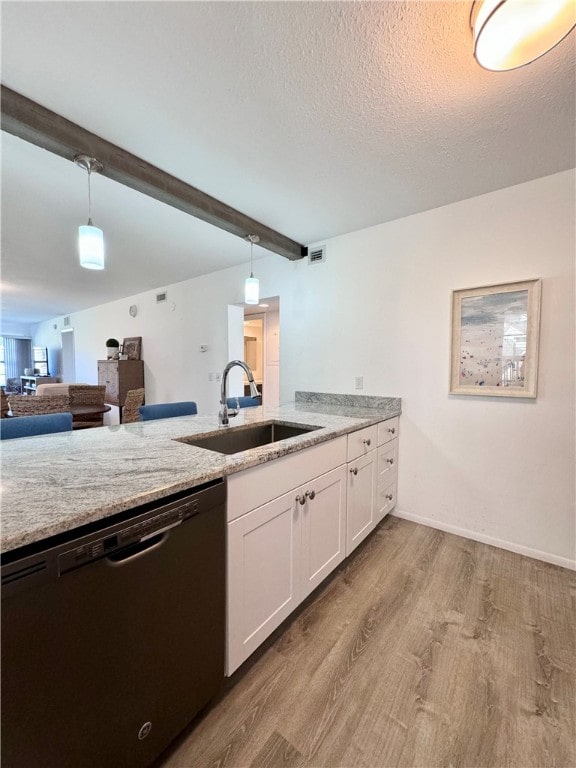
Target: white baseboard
564,562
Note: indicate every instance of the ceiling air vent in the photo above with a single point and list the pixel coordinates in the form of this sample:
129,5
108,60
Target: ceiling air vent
160,297
67,322
316,255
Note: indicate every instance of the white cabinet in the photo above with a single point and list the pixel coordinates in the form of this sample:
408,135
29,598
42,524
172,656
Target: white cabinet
263,575
362,486
361,500
291,521
323,519
278,554
387,481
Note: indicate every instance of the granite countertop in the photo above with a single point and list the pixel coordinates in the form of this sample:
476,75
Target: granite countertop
54,483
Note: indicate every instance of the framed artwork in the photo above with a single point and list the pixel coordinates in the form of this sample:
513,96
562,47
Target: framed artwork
132,347
495,334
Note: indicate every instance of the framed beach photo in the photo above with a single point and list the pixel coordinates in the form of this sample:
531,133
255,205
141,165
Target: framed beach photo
132,347
495,334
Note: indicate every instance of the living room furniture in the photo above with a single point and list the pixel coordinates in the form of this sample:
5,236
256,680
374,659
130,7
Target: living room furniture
167,410
27,426
87,404
119,377
134,399
29,383
24,405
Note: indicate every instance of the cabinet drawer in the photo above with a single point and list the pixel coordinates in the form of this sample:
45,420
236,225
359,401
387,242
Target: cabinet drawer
387,462
361,442
388,430
386,500
255,486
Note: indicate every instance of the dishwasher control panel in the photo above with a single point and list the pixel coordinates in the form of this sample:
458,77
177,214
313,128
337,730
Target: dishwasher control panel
128,535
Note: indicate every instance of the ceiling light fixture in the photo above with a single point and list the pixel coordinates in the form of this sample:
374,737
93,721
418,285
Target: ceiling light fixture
511,33
252,284
90,238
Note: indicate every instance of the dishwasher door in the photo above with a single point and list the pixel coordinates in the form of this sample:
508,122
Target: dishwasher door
111,643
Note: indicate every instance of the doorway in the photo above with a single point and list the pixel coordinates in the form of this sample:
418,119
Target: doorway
68,359
262,344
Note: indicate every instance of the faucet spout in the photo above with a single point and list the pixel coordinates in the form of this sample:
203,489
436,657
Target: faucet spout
225,412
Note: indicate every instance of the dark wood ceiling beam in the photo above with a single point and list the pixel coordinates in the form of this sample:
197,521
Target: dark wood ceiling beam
28,120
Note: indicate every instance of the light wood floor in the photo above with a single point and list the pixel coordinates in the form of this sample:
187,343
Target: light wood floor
424,649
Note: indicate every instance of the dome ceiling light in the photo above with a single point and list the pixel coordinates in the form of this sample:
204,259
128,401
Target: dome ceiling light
511,33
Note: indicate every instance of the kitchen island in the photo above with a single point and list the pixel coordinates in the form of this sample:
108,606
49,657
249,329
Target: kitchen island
55,483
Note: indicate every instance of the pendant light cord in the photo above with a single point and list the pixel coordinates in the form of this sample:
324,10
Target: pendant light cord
89,200
251,252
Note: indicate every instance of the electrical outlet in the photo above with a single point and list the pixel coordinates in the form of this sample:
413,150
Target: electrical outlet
210,377
359,382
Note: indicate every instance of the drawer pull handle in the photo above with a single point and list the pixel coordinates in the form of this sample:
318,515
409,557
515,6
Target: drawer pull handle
389,461
311,494
354,471
367,442
389,496
301,499
392,430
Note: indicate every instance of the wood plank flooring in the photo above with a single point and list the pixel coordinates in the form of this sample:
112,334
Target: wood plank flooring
424,650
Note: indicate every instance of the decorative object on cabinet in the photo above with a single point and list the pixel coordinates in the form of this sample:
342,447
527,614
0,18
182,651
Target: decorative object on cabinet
134,399
495,333
23,405
132,347
112,349
509,34
40,361
119,377
90,238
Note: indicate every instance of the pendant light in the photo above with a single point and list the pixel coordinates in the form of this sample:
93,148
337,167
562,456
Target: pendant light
511,33
252,284
90,238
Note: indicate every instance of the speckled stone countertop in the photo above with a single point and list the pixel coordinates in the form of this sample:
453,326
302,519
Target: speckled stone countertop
54,483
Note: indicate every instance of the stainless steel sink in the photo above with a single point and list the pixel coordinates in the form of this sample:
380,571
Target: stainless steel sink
244,438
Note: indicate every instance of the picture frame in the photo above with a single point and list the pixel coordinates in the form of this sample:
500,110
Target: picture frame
132,347
495,340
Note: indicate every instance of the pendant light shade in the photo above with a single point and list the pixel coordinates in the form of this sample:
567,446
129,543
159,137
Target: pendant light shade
252,284
90,238
511,33
252,290
91,246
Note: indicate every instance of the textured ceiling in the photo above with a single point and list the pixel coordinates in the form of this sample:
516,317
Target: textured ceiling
316,118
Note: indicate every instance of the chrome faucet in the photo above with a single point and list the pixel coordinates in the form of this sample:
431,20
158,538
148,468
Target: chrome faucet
225,412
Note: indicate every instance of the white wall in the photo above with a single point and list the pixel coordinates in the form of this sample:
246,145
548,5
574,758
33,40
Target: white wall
496,469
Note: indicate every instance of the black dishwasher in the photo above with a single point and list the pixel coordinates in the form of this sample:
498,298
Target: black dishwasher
113,636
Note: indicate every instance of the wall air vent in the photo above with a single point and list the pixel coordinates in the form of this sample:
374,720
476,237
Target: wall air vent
67,322
316,255
160,297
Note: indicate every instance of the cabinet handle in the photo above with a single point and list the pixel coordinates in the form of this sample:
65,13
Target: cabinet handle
392,431
389,461
311,494
367,442
301,499
389,496
354,471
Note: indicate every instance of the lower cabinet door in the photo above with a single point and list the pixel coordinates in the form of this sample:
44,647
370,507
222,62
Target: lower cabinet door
386,499
263,574
361,499
323,527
